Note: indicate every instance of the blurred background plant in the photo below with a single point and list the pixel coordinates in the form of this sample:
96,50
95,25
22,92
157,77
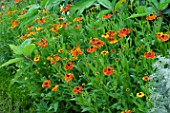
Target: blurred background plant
159,86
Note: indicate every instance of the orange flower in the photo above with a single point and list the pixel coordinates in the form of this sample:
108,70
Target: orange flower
46,84
111,33
77,89
55,88
23,37
40,21
149,55
108,71
42,43
107,16
123,32
145,78
56,57
126,111
92,49
163,37
94,41
23,12
151,17
68,77
14,24
17,1
77,26
76,51
112,40
66,9
29,28
99,43
69,66
78,19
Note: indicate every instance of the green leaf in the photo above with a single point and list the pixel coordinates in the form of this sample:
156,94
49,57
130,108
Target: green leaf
16,49
26,42
155,3
141,9
52,3
137,15
55,106
31,12
28,49
31,18
106,3
11,62
163,5
81,5
103,12
119,4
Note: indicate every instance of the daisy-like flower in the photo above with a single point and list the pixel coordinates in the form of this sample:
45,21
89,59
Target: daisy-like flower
69,66
112,40
76,51
163,37
14,24
40,21
92,49
149,55
42,43
78,19
104,52
108,71
105,35
99,44
77,89
126,111
56,57
94,41
140,94
68,77
17,1
55,88
60,50
37,58
146,78
151,17
107,16
46,84
38,29
124,32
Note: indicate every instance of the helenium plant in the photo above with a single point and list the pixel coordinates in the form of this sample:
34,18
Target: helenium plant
160,86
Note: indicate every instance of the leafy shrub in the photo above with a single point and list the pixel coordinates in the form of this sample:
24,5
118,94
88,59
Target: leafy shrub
159,86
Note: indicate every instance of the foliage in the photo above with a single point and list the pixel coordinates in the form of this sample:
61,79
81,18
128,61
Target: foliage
160,86
95,60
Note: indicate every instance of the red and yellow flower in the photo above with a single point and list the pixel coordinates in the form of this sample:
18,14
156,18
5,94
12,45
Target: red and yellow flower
77,89
92,49
151,17
69,66
68,77
55,88
124,32
46,84
14,24
149,55
146,78
108,71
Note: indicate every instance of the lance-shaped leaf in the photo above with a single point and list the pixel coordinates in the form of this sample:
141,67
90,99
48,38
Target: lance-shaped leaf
11,62
28,49
26,42
16,49
106,3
